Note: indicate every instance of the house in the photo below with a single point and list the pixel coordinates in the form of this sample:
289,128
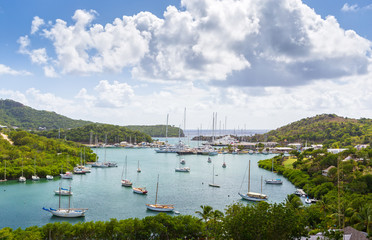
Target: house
295,145
361,146
349,234
325,171
335,150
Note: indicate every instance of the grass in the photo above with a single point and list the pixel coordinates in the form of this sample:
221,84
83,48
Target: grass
288,162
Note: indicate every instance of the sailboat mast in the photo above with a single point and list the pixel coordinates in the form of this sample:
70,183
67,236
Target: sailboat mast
261,184
166,130
69,199
126,164
213,175
249,175
157,187
59,197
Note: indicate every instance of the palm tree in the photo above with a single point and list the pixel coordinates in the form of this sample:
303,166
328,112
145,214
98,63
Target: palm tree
206,214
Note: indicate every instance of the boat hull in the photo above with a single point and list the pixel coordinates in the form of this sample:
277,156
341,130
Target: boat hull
160,207
274,181
67,213
141,191
253,199
214,185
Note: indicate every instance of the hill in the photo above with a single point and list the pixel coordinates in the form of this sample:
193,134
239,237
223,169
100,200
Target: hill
157,130
328,129
38,154
99,133
16,114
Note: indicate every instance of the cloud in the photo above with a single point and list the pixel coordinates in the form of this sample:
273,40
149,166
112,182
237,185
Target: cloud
84,48
223,42
50,72
355,8
5,70
107,95
36,23
349,8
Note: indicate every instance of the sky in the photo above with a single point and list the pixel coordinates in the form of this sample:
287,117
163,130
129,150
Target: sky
258,64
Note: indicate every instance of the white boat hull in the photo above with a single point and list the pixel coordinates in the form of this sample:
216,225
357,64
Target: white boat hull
160,207
63,193
214,185
185,169
250,198
22,179
140,190
274,181
126,183
67,213
49,177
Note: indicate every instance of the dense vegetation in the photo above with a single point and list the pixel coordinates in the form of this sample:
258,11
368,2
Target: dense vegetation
39,154
93,133
352,180
157,130
328,129
16,114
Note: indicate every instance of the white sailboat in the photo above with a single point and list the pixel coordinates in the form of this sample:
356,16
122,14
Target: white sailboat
125,182
139,190
22,178
252,196
209,160
224,163
66,212
273,181
49,177
35,177
182,169
213,184
4,180
138,168
159,207
63,192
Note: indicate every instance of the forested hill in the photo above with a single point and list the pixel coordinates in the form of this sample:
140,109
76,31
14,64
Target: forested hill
15,114
328,129
157,130
98,133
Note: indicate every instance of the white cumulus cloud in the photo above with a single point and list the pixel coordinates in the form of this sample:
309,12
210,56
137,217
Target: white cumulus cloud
225,42
36,23
5,70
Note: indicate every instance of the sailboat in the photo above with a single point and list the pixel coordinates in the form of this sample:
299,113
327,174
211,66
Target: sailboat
139,190
66,212
273,181
35,177
4,180
213,184
159,207
63,192
22,178
138,168
125,182
182,169
209,160
224,163
252,196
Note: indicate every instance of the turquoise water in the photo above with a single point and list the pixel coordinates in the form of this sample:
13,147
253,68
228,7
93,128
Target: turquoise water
101,191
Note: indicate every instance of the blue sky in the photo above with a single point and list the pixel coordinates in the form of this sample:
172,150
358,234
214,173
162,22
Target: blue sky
258,63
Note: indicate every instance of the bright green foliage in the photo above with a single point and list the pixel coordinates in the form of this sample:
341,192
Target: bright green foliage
263,221
344,193
39,154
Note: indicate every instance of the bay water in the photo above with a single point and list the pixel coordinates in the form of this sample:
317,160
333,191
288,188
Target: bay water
101,192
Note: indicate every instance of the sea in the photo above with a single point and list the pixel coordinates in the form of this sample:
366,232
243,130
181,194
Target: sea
101,192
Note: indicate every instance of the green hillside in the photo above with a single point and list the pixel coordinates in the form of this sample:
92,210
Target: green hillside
38,154
93,133
157,130
15,114
328,129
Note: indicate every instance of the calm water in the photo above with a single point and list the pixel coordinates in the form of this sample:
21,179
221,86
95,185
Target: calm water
101,191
